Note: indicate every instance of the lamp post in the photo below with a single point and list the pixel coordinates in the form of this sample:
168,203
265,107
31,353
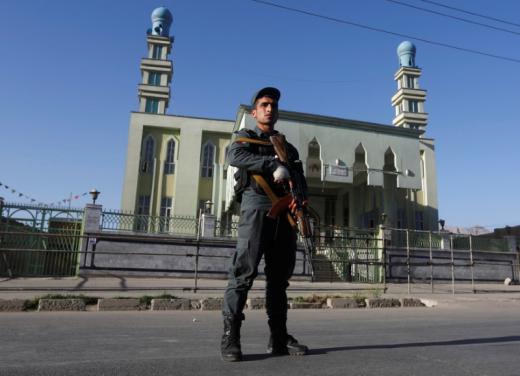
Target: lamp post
94,193
442,222
207,207
383,218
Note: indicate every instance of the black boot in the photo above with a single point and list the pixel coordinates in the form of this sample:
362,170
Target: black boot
230,345
287,345
281,343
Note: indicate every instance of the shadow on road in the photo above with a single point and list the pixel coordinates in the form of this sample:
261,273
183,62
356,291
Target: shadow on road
457,342
82,283
253,357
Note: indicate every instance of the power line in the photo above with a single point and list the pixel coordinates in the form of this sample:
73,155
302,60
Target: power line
472,13
341,21
454,17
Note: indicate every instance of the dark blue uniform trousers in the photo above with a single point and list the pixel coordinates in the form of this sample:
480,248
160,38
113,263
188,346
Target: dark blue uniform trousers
275,239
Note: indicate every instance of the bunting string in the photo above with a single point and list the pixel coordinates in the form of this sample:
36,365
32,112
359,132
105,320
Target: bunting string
19,194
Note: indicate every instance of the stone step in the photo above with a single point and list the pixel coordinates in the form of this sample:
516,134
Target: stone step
324,270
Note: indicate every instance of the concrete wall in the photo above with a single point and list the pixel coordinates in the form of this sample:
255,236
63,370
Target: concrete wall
149,255
488,266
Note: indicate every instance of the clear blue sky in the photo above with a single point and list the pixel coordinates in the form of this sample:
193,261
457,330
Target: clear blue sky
70,69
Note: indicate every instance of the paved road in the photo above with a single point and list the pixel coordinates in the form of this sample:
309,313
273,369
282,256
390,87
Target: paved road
476,338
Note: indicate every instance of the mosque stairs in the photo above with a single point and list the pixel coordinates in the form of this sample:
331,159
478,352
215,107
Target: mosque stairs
324,269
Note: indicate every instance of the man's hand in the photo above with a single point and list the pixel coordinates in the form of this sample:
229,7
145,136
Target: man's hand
293,206
281,174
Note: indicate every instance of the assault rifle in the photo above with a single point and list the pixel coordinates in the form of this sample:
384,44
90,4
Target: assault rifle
296,200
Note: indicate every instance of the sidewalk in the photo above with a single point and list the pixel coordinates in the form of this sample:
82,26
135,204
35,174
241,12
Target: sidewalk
112,286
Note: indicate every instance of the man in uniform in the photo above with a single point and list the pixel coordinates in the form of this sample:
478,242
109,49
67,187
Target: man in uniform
259,235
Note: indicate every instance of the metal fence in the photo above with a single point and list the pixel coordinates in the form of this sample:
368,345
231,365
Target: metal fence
341,254
39,255
346,254
423,253
39,240
46,241
226,229
372,256
167,225
418,239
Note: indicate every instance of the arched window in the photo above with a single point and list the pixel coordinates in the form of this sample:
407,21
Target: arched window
389,160
208,159
148,155
360,165
226,151
314,149
313,159
169,163
389,170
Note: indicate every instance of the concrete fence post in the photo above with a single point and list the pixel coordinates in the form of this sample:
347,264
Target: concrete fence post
208,226
511,242
382,239
91,224
445,240
92,218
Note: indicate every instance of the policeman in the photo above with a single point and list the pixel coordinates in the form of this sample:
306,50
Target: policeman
259,235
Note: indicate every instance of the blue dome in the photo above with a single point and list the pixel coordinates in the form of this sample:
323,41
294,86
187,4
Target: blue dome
406,53
163,13
161,21
405,47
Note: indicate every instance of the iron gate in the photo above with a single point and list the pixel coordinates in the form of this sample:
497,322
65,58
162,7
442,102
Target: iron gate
39,240
347,254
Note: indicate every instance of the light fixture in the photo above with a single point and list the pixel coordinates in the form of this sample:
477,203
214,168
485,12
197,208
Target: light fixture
207,207
94,193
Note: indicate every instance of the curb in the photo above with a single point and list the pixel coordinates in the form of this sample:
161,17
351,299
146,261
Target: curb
170,305
13,305
205,304
61,305
129,304
336,303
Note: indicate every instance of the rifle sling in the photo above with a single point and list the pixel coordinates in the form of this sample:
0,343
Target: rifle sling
260,180
272,196
253,141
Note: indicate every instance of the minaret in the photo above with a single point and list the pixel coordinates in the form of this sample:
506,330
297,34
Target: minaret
409,99
156,69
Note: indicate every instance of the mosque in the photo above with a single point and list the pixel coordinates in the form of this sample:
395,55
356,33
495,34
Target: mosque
356,170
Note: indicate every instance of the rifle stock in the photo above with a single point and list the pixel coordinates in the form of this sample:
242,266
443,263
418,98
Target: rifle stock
279,206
